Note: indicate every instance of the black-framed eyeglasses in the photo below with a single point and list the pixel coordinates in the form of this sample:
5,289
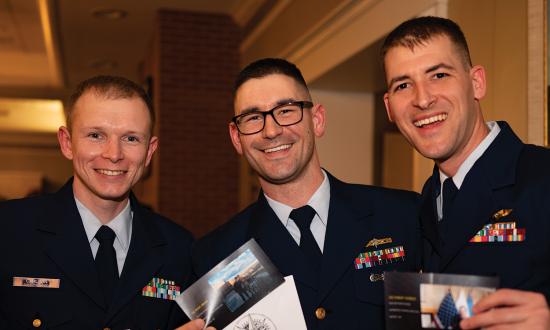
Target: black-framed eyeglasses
284,115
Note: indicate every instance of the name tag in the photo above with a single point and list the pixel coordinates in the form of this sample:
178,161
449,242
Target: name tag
30,282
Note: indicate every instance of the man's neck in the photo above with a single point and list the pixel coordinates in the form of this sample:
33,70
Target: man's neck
451,165
104,210
297,192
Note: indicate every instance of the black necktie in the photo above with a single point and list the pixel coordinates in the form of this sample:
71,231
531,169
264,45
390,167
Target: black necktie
449,194
302,217
105,262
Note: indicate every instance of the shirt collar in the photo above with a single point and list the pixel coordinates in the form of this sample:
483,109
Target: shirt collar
121,224
319,201
467,165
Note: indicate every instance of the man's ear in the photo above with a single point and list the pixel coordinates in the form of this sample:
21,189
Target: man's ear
318,116
235,138
387,105
153,145
479,84
64,138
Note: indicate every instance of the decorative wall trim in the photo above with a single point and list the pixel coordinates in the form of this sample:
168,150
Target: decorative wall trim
537,112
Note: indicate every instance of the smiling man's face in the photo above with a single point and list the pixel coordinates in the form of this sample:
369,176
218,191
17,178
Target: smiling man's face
433,98
110,145
278,154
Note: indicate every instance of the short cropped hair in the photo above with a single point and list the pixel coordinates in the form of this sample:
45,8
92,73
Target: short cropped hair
109,87
269,66
418,31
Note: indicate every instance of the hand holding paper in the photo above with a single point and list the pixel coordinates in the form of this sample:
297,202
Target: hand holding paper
244,291
197,324
513,308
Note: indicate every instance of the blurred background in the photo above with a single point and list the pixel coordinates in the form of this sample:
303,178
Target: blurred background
186,53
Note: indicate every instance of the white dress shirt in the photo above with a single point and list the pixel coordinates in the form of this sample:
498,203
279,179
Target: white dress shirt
319,201
121,225
467,165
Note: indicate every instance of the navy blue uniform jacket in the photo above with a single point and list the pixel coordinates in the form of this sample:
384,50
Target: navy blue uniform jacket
43,237
512,176
357,214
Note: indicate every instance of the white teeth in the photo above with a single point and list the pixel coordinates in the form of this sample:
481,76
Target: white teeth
109,172
281,147
430,120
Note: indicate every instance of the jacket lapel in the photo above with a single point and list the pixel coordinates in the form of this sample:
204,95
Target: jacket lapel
345,235
475,199
65,242
144,258
277,243
479,194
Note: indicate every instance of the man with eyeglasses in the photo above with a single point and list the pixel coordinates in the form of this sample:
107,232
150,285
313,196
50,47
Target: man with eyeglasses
335,238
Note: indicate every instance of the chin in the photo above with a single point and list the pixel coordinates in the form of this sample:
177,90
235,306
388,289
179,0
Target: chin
280,178
114,195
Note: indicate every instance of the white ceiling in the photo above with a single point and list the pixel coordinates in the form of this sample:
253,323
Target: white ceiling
26,44
48,46
57,43
87,40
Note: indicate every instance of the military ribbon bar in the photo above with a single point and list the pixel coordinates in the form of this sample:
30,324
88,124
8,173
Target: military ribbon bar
499,232
161,288
372,258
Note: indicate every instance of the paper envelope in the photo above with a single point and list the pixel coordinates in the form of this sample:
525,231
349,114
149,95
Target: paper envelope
280,309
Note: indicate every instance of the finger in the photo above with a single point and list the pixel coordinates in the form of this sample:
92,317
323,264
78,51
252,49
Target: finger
494,317
504,297
514,326
197,324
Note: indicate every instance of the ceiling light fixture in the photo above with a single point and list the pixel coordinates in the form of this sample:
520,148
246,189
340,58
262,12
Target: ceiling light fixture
112,14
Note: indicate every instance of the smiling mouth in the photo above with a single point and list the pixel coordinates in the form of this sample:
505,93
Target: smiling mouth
430,120
278,148
110,172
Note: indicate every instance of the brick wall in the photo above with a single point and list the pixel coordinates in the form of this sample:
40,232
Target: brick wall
198,60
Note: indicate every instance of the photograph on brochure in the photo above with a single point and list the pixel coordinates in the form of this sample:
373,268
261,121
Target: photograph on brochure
232,287
431,300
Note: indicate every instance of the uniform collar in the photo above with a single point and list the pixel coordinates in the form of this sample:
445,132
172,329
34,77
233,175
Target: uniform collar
467,165
121,224
319,201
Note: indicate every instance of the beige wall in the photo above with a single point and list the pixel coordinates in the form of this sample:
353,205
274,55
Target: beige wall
346,148
396,162
497,34
45,160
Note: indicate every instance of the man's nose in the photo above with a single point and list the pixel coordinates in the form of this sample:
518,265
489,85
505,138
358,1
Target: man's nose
271,128
424,98
113,150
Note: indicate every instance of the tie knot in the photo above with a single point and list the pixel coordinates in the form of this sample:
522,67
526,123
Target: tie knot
303,217
105,235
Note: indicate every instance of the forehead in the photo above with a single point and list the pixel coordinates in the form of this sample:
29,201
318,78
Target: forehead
267,91
92,109
438,49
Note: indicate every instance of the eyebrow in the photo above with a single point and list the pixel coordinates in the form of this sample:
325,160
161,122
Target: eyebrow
439,66
101,129
278,103
429,70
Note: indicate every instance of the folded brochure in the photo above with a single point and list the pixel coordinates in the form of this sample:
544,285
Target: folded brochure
244,291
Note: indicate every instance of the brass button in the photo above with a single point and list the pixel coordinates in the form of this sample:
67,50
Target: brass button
36,323
320,313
